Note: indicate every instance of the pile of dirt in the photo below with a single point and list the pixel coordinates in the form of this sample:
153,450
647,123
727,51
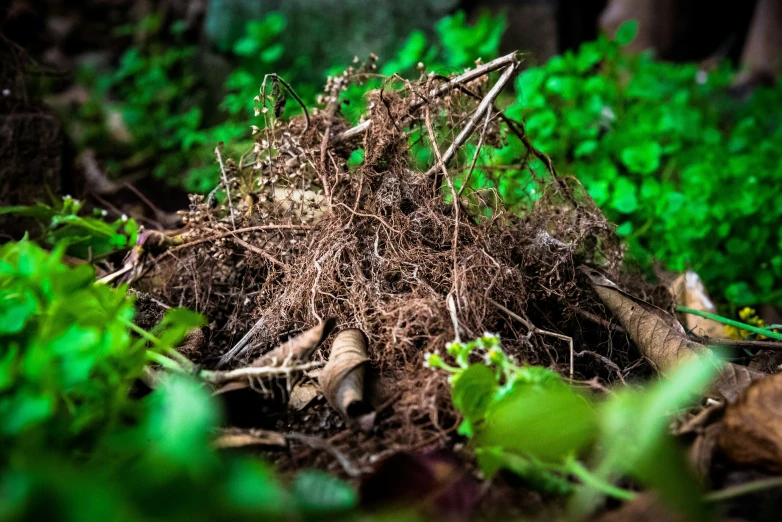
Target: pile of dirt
412,259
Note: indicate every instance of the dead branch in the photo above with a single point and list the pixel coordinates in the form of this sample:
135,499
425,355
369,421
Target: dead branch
511,59
249,373
484,106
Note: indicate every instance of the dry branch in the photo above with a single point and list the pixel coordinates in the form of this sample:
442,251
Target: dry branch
511,60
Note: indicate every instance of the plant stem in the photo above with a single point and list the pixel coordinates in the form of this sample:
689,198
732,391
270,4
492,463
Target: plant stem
589,479
165,362
185,364
731,322
743,489
140,331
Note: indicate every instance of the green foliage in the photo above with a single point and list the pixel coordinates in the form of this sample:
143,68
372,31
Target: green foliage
527,420
85,236
66,369
69,363
679,165
458,45
153,94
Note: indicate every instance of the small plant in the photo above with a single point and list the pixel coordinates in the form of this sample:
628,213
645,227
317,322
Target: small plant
75,420
85,237
527,420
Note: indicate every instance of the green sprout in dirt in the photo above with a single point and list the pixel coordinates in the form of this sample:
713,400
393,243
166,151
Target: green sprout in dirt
528,420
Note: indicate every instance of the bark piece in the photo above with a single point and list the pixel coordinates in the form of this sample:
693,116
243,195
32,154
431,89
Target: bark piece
342,379
752,426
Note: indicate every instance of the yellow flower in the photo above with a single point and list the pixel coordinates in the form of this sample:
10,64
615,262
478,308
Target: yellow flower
749,316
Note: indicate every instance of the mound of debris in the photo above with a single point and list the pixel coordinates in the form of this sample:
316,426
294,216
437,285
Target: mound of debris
304,255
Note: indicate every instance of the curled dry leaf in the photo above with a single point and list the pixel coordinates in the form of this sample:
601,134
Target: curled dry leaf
342,379
752,426
295,350
661,338
657,333
300,348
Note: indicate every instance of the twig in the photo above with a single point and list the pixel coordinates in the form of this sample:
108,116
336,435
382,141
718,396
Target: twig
112,276
599,320
238,348
251,372
353,131
454,318
535,330
511,59
227,186
475,156
739,343
743,489
605,360
259,251
239,231
285,84
317,442
482,70
370,216
456,207
483,107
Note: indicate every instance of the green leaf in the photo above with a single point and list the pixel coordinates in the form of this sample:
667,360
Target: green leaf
626,32
175,326
599,190
15,310
275,23
181,416
356,158
625,229
246,47
273,53
251,486
473,391
624,199
585,148
643,158
547,423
